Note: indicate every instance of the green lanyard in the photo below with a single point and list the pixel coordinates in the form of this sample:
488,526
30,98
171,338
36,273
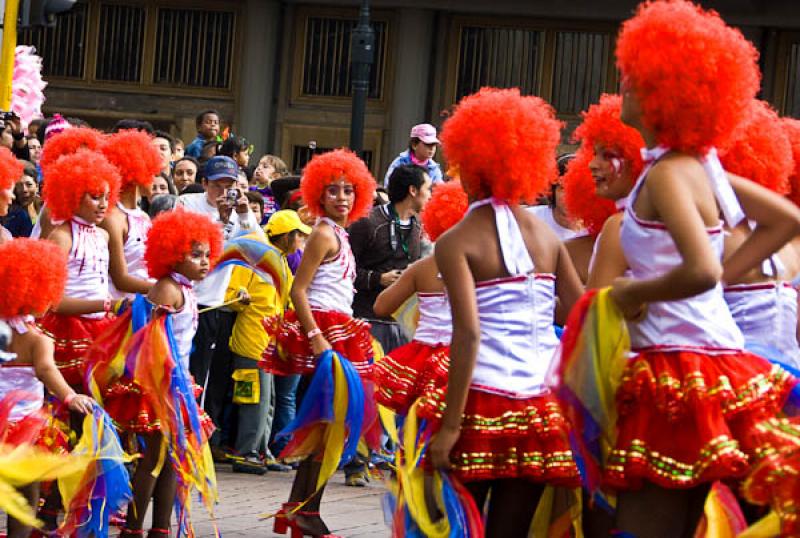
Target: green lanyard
395,224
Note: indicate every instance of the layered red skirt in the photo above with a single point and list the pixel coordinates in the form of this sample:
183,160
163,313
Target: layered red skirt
686,418
131,411
289,351
72,336
504,437
40,429
408,372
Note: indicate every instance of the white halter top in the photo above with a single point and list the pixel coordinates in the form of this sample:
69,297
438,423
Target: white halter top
332,287
701,323
87,264
518,340
23,378
138,226
435,326
184,321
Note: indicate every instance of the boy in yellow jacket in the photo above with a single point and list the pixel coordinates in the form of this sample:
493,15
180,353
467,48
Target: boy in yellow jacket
253,388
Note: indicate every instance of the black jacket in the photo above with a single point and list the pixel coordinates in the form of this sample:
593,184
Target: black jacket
370,239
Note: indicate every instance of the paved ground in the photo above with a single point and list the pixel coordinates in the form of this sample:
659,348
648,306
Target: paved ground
350,512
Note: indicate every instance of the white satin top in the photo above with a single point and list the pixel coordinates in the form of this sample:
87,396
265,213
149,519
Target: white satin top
701,323
185,320
333,285
766,313
87,264
138,226
435,326
518,340
23,378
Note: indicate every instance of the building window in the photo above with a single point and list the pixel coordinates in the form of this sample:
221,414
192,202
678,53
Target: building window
791,104
121,35
499,57
301,155
63,48
194,48
326,57
581,67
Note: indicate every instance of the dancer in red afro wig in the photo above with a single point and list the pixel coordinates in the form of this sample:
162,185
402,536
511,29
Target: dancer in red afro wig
760,149
37,271
68,142
74,175
333,167
503,144
580,199
692,74
134,155
791,128
170,240
10,169
446,207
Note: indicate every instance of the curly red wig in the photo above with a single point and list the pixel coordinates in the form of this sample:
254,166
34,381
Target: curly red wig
68,142
35,272
503,144
334,166
10,169
170,240
602,126
72,176
760,149
692,74
581,202
791,128
134,155
445,209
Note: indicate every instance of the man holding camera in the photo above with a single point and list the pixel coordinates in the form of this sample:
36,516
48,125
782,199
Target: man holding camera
211,362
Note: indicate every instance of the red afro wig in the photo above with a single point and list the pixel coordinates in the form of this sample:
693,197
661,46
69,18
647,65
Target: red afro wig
68,142
503,144
581,202
10,169
760,149
692,74
72,176
134,155
791,128
37,272
332,167
602,126
445,209
170,240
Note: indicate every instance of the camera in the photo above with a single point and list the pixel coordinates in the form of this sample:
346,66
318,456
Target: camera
232,195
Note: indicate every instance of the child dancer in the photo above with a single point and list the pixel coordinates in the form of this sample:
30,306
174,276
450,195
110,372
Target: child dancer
339,189
78,191
599,179
38,271
415,369
153,394
137,161
763,302
501,430
689,400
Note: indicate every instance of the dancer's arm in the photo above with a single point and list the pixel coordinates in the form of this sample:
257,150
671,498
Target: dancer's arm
118,267
777,222
321,244
568,285
609,259
458,279
396,294
670,193
71,306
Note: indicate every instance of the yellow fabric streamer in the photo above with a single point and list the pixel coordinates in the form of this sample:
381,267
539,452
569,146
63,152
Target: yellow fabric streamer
335,433
767,527
26,464
407,316
558,514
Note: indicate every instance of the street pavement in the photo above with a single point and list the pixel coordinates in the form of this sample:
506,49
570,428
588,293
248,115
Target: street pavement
350,512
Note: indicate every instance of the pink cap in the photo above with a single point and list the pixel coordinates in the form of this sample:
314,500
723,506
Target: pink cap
425,132
57,125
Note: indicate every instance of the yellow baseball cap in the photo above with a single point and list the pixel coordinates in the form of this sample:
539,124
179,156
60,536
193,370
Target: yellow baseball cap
283,222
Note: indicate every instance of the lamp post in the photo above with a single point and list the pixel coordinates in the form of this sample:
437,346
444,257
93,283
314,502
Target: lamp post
362,47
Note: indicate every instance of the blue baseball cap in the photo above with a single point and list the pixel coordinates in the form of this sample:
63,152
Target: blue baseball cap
221,167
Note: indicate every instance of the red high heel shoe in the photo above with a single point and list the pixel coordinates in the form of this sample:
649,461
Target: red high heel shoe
297,532
283,519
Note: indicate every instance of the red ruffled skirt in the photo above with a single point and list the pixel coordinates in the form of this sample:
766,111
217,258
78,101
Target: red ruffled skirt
504,437
72,336
687,418
408,372
131,411
40,429
289,351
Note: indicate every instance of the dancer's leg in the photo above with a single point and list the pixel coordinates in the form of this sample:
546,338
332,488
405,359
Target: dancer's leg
144,482
511,507
15,528
656,512
164,497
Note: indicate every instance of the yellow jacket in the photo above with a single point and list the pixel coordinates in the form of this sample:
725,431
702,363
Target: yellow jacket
248,338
